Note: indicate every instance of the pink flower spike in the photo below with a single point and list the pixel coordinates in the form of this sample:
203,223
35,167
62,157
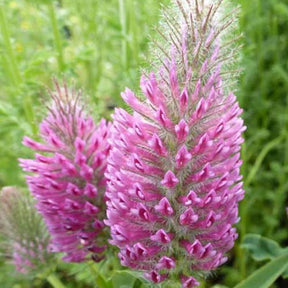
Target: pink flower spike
142,212
162,118
35,145
182,157
68,185
79,144
190,199
137,191
140,250
72,189
155,277
184,100
182,130
149,88
156,144
130,98
90,209
164,207
170,180
201,108
189,282
173,174
165,263
188,217
90,190
162,237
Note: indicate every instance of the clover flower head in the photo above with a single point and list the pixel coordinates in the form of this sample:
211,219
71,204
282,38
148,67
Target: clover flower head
173,174
67,177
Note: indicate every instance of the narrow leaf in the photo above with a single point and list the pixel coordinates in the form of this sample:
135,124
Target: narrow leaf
55,281
266,275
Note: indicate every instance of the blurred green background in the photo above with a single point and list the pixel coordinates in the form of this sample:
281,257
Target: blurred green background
100,46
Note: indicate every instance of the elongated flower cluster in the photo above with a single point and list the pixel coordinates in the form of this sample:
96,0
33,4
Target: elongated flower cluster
173,172
25,237
68,180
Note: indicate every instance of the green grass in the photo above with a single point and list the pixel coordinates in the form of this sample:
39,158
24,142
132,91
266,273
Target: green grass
96,45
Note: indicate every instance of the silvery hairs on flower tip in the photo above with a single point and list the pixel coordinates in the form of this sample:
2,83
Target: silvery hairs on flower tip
25,239
173,174
196,30
68,180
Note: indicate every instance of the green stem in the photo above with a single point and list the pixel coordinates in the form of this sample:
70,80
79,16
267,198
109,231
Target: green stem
7,43
55,281
267,148
133,30
57,38
11,63
122,14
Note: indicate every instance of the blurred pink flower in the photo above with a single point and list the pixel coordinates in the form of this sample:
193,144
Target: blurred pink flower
25,240
68,177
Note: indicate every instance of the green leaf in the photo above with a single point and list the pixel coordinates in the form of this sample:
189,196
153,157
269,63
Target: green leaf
267,274
102,283
123,279
261,248
55,281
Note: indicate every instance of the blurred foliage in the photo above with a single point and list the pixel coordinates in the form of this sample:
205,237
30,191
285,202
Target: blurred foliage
96,45
100,46
263,94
